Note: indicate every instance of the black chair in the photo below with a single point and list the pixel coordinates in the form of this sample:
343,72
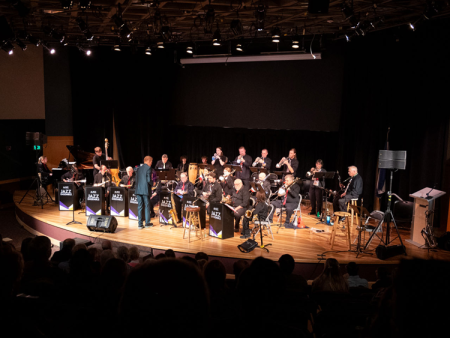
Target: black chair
403,214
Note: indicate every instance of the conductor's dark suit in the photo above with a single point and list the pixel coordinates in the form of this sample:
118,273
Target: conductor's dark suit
143,192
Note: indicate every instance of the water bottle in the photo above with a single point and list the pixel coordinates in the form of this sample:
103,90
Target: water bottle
328,219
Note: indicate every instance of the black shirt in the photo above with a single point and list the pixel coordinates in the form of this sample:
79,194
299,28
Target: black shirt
261,209
266,186
218,167
321,183
44,171
96,161
355,188
126,178
228,186
293,194
267,162
99,178
241,198
245,165
182,167
160,165
72,176
294,165
216,193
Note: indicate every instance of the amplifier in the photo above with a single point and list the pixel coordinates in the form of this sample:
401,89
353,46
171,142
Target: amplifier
384,252
102,223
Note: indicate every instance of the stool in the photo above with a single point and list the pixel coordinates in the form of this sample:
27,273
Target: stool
353,201
193,222
336,225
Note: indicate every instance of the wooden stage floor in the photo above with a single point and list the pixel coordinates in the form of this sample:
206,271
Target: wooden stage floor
303,244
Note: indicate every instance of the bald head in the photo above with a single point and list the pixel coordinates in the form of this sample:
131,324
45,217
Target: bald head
238,184
261,176
352,170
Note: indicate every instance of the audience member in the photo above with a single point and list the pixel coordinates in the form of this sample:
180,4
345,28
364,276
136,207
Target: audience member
331,279
24,249
160,256
190,259
201,263
134,256
293,282
201,255
106,245
105,256
170,253
238,266
353,278
383,279
65,253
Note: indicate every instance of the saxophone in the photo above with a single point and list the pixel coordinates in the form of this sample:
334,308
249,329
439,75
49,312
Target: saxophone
173,211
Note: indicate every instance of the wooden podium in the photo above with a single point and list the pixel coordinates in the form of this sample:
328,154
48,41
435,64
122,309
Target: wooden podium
221,221
424,200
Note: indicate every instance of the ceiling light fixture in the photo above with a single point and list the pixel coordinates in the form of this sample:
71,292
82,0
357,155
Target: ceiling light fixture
217,38
85,29
276,34
260,15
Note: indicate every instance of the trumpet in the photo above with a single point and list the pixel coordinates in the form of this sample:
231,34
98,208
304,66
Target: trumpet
283,161
256,161
311,172
222,178
226,200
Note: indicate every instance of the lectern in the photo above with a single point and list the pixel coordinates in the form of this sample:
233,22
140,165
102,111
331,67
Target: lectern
95,200
119,201
424,202
221,221
68,196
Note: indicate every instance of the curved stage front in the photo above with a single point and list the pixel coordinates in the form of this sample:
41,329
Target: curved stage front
304,245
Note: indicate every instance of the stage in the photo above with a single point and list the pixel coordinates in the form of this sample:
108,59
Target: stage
303,244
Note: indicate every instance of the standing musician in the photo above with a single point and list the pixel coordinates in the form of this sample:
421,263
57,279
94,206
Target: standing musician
183,166
129,180
291,164
263,161
46,173
75,175
103,178
265,183
354,190
261,209
98,157
218,161
315,193
143,191
184,187
227,182
245,161
215,194
163,163
289,200
240,201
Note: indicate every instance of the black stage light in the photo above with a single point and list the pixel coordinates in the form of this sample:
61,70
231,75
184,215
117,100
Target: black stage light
21,44
236,27
118,21
8,47
50,50
239,48
148,51
34,41
85,29
160,44
125,31
84,4
117,47
276,34
260,15
217,38
296,42
66,4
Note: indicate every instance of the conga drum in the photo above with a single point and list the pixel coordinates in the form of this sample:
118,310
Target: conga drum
193,172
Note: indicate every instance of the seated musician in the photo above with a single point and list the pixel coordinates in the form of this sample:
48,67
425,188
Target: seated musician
163,163
264,161
215,194
103,179
183,166
289,200
204,159
98,157
240,201
261,209
227,182
202,181
354,190
154,199
265,183
46,173
129,180
74,175
184,187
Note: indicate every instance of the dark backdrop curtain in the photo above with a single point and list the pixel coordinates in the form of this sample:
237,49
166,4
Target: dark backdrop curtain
397,82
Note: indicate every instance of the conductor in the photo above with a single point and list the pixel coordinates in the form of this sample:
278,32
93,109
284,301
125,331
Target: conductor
143,192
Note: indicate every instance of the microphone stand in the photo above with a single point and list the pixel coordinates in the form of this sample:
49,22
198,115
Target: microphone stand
73,209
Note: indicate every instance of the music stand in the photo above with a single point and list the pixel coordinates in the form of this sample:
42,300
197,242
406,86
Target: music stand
110,164
234,167
166,174
323,175
259,170
361,211
255,186
210,167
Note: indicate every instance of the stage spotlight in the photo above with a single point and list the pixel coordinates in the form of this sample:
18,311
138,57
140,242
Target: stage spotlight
21,44
34,41
239,48
53,33
160,44
189,50
50,50
296,42
117,47
276,35
148,51
85,29
84,4
412,27
8,47
217,38
125,31
87,51
432,8
118,21
349,14
66,4
260,15
347,37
